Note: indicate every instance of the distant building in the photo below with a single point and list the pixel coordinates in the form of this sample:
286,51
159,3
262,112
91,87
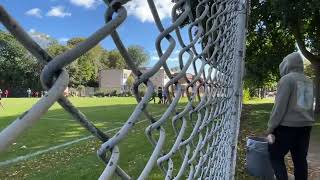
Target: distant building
114,79
184,83
117,78
159,79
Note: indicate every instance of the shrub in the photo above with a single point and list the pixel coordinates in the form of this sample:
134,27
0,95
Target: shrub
113,93
246,95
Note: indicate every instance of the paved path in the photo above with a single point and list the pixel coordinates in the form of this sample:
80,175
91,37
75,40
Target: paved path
314,154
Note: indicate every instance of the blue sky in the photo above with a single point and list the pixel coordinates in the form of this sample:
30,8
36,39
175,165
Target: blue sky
64,19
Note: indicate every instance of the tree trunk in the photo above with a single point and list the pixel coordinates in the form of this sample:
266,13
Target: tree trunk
313,58
317,87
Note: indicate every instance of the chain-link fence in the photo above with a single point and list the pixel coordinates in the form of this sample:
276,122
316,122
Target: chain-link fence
213,51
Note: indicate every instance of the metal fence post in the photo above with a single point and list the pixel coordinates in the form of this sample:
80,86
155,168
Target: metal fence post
240,53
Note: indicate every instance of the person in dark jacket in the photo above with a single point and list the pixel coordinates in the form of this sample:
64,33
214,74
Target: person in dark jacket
160,95
291,119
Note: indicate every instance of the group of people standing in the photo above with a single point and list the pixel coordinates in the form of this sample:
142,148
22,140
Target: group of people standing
5,93
29,92
162,94
35,93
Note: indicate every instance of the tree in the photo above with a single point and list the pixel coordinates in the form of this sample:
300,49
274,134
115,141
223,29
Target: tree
114,60
308,69
267,44
56,49
301,18
138,54
18,68
84,70
130,81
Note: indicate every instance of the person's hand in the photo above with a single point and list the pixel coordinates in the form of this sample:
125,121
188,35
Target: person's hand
270,138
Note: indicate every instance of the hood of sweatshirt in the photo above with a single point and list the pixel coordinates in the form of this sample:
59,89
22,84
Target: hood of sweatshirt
291,63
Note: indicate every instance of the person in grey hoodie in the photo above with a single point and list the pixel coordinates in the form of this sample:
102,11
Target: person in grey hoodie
291,119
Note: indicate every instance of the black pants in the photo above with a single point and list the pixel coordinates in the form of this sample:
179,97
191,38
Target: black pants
295,140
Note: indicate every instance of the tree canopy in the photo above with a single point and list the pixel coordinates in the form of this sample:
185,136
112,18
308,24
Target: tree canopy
301,18
19,70
138,54
268,42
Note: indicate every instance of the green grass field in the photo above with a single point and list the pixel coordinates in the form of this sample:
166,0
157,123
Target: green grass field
78,160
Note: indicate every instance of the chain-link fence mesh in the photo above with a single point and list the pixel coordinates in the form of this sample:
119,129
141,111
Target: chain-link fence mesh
213,51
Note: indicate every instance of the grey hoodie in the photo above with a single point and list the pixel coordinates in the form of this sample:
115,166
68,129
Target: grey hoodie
294,100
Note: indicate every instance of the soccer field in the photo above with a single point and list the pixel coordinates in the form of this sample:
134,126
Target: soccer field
57,147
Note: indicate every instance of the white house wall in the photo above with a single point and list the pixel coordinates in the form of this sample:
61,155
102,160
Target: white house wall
111,78
117,78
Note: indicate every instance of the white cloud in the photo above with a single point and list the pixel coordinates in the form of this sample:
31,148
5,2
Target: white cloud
41,38
85,3
141,10
174,57
36,12
154,58
63,40
170,59
58,11
32,30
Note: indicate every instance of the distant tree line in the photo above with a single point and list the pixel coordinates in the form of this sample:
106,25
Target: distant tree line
19,70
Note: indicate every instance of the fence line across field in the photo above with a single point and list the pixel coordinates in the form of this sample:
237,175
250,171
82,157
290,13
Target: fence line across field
213,50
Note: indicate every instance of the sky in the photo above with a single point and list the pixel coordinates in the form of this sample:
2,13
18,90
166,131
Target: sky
64,19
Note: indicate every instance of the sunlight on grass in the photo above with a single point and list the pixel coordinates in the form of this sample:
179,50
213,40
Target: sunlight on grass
79,161
259,101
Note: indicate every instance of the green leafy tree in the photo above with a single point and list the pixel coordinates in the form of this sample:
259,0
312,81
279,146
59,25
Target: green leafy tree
130,81
18,68
309,70
114,60
84,71
56,49
267,44
138,54
301,18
